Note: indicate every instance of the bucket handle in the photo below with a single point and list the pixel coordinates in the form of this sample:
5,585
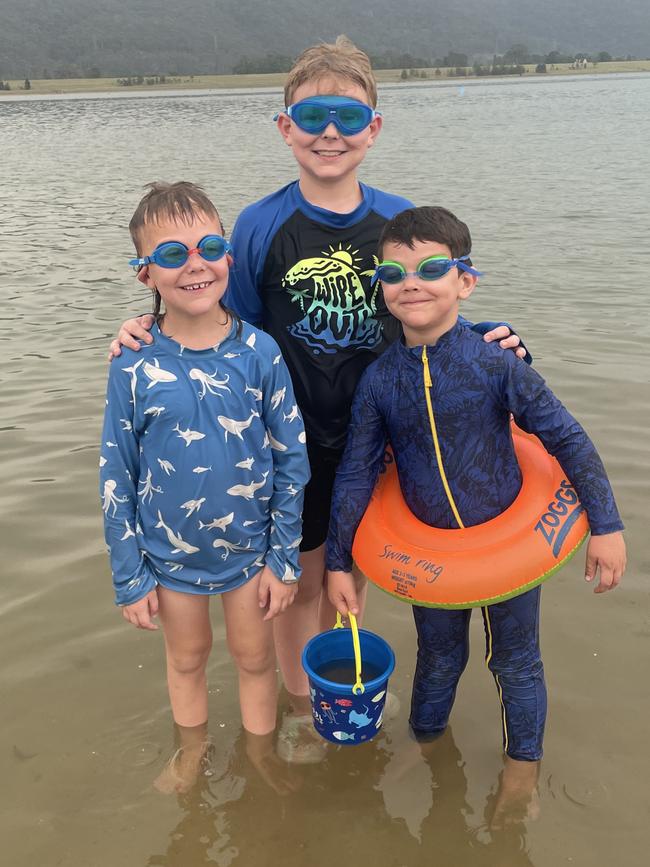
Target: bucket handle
358,687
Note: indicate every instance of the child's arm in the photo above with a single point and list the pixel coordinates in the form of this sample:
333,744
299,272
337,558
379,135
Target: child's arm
357,473
537,410
286,439
119,474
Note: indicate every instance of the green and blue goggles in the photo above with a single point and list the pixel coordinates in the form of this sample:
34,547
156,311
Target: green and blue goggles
313,115
431,268
174,254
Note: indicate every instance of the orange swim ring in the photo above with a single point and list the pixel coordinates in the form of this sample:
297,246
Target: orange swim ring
480,565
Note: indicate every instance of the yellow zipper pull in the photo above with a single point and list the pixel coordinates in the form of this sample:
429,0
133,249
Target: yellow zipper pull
427,375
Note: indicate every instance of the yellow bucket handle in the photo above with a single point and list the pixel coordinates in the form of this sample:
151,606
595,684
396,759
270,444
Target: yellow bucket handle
358,687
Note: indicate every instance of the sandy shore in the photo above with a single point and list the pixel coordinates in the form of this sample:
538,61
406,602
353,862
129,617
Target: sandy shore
211,82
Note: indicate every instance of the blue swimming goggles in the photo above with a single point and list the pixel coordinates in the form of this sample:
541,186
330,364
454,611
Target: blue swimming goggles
174,254
431,268
314,114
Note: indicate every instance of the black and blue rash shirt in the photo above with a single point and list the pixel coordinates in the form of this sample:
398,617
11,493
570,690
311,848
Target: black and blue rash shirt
475,388
302,274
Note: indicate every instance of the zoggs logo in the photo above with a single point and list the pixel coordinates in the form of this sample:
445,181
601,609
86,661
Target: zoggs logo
559,517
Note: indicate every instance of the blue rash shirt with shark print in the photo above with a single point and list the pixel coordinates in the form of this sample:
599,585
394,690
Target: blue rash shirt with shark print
475,388
203,465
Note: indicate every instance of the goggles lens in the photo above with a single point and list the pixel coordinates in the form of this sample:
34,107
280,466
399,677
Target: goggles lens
174,254
430,269
349,116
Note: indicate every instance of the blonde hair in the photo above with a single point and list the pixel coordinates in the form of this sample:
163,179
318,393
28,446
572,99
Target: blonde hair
341,59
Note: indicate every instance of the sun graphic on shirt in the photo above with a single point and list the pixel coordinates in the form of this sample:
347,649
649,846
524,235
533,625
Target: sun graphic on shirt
346,255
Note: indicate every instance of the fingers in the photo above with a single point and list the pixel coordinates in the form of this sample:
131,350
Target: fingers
139,617
511,342
280,601
501,332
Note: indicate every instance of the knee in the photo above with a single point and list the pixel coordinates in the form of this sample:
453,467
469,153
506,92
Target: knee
189,661
253,660
517,667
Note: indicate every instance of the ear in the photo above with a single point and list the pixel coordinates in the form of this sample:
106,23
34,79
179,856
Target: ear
144,277
230,260
375,129
283,124
468,282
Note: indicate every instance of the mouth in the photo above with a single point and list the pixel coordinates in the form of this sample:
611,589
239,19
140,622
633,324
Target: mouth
328,154
196,287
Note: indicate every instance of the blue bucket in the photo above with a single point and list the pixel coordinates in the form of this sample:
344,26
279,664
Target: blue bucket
348,713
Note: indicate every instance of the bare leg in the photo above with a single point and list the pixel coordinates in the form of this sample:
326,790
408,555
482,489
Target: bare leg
279,776
293,629
183,769
188,639
250,640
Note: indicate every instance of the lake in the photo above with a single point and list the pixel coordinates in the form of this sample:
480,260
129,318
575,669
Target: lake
551,176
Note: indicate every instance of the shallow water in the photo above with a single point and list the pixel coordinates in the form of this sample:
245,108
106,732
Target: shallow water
551,177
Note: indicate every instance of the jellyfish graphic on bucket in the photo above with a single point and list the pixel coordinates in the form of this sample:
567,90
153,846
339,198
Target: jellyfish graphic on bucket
348,688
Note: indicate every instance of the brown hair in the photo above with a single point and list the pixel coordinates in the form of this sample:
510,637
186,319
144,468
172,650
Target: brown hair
341,59
180,201
427,224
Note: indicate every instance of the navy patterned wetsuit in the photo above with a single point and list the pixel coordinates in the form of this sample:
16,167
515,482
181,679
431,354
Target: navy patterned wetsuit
475,388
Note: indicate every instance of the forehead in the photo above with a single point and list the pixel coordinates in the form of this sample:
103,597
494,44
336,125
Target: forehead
402,253
330,86
167,228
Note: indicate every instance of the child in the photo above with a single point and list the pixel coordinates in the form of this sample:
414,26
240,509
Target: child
203,466
425,273
303,260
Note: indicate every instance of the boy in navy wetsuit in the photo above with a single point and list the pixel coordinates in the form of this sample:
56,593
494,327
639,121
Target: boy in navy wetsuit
474,389
303,258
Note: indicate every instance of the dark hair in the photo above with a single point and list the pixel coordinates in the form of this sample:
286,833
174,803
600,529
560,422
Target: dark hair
181,202
427,224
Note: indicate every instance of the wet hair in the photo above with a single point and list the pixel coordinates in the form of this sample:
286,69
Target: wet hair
340,60
180,202
427,224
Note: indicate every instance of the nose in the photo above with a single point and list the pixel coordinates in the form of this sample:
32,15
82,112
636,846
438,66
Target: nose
411,282
330,131
194,260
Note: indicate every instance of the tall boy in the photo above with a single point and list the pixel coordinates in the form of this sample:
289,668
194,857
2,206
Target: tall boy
473,389
303,261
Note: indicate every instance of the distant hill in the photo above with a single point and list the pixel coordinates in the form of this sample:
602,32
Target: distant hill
81,38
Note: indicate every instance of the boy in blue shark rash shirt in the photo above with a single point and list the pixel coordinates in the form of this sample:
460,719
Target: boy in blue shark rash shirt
200,494
474,389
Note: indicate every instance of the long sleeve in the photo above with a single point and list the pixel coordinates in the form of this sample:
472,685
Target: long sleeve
484,327
356,476
119,472
286,436
243,295
536,409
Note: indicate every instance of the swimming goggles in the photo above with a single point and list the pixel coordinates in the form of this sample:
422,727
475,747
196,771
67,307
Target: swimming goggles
314,114
431,268
174,254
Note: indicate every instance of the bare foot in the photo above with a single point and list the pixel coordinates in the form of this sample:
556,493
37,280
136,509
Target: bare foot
182,770
517,798
275,773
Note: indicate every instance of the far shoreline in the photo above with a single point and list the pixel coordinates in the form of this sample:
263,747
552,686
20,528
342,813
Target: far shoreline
89,86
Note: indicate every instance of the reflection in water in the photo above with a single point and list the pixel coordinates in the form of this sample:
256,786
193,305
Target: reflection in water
402,804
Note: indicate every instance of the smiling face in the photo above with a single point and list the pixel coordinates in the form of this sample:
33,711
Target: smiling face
328,157
426,308
196,288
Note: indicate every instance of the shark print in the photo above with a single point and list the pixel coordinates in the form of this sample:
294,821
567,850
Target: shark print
278,397
154,411
218,523
293,415
256,392
276,444
247,464
188,435
199,470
